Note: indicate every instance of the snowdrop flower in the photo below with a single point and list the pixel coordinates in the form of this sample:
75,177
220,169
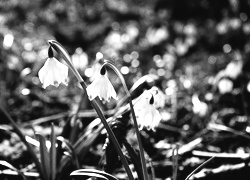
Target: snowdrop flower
159,97
101,87
146,114
53,72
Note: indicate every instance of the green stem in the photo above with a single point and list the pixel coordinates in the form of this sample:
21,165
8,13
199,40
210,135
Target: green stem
199,167
110,132
59,48
22,137
141,151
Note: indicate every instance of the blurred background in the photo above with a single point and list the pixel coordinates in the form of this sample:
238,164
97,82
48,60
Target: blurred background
196,50
187,42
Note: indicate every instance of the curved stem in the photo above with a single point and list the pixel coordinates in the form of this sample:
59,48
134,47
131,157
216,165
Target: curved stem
199,167
58,47
141,151
110,132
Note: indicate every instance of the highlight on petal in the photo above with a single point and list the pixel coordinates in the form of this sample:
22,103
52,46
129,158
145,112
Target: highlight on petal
53,73
102,88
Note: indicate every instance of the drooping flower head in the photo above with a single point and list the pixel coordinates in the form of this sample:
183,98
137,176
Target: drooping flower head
159,97
101,87
53,72
146,114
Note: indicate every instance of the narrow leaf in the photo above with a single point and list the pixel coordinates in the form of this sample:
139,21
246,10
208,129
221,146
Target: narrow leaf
135,158
95,171
53,153
88,139
8,165
75,131
71,153
18,131
14,173
45,161
88,175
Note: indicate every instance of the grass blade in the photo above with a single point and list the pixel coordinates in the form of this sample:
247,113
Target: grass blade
71,153
45,158
22,137
94,171
88,175
199,167
53,153
8,165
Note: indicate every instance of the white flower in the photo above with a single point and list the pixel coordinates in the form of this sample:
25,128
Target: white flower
159,97
53,73
146,113
101,87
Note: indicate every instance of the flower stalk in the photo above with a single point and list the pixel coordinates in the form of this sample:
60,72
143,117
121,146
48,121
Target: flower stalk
199,167
59,48
141,151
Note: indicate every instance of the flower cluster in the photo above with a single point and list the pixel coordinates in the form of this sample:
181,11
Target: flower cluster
53,73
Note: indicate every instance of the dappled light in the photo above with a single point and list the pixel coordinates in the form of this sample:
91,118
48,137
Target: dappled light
111,89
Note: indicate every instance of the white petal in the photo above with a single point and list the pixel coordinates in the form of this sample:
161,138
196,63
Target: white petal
111,89
156,119
94,89
102,88
148,118
53,73
43,75
92,93
147,115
